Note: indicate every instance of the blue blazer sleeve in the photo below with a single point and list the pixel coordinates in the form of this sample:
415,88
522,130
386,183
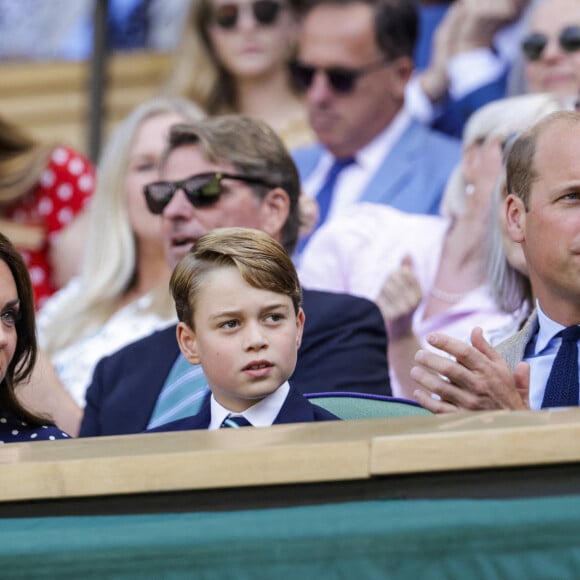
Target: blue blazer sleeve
455,114
126,384
346,343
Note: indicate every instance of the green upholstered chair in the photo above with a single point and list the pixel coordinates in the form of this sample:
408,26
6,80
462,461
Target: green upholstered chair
364,406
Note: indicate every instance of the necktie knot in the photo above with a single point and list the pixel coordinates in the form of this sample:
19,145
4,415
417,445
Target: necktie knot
340,164
234,422
571,334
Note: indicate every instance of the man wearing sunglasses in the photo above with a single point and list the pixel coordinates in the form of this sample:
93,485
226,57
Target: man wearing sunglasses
219,172
353,63
551,48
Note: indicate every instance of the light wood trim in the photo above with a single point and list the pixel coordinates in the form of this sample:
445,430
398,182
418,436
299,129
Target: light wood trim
180,461
287,454
480,440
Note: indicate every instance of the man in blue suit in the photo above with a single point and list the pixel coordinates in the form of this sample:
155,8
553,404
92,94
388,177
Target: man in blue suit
213,180
354,60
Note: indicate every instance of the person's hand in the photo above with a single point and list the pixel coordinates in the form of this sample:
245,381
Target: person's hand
478,378
481,21
434,80
400,296
308,211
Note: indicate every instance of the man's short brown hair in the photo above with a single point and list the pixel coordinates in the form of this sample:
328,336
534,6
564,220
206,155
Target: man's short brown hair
521,171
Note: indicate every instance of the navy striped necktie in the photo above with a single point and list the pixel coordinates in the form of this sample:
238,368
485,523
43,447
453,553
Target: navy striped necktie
234,422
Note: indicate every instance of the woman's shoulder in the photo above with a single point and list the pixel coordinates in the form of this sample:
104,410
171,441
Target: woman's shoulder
54,305
13,430
68,177
66,159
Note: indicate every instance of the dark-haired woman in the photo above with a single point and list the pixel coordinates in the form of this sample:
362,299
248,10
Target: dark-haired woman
18,350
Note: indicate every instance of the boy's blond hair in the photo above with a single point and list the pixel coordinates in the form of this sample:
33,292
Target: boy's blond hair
262,262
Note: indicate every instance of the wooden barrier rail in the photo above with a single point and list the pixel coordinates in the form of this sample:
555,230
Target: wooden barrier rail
490,454
50,99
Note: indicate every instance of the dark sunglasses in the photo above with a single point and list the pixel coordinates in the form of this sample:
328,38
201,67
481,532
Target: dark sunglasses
342,80
534,44
202,190
265,13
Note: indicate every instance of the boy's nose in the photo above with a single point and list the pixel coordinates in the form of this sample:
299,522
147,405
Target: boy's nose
255,338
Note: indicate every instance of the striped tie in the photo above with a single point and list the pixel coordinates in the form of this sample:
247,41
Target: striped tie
234,422
182,393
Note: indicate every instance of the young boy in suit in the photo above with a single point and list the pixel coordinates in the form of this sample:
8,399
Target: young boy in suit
238,300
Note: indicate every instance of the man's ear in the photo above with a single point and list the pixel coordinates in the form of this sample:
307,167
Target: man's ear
274,212
402,68
187,343
515,218
300,318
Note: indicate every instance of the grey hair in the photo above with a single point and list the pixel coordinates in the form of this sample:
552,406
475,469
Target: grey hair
497,119
510,289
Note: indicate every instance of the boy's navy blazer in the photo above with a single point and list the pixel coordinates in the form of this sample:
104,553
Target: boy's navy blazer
343,349
296,409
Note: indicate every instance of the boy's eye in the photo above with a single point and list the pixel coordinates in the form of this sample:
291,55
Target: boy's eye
229,324
572,195
275,317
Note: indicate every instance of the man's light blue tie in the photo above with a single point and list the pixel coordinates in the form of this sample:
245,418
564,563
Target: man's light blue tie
235,421
182,393
562,386
324,196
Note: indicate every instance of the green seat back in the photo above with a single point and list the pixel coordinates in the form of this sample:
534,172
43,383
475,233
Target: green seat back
366,408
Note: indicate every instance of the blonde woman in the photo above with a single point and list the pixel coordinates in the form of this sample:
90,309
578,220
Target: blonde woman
121,292
233,58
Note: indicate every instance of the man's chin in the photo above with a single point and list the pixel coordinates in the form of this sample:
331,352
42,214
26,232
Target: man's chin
175,253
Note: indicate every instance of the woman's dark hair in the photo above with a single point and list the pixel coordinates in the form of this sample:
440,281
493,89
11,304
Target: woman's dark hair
22,363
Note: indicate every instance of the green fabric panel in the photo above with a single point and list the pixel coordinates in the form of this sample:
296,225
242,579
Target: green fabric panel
355,408
463,539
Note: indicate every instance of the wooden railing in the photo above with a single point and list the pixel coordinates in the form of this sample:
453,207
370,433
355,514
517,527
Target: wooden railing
487,454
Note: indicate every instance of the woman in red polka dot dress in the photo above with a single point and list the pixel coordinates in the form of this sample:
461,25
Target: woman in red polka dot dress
43,190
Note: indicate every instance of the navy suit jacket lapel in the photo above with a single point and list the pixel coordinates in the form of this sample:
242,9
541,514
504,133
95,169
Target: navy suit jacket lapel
296,409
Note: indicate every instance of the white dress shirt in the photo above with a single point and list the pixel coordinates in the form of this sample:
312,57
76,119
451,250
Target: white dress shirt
262,414
540,354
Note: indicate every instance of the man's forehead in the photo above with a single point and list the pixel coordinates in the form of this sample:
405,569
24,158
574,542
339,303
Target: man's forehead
557,138
190,159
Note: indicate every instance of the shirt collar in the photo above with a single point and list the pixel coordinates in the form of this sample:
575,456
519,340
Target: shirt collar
373,153
262,414
546,331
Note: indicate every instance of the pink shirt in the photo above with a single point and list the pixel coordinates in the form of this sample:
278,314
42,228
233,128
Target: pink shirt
356,251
